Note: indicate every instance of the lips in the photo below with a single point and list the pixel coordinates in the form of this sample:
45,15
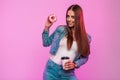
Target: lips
70,23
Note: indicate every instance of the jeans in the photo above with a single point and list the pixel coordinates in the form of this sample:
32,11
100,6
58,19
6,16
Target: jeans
54,71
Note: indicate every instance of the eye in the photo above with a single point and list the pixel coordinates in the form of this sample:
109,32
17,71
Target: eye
73,17
67,16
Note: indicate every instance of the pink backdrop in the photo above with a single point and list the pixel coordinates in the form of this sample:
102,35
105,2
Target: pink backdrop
22,56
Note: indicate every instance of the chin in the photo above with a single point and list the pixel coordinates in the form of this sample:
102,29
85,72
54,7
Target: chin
71,26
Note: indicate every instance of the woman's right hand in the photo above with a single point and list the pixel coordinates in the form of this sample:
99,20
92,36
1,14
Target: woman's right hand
50,20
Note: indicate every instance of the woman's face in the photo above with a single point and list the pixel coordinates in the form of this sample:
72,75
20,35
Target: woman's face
70,18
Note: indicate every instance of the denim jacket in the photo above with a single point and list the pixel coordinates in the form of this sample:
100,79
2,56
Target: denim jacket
54,40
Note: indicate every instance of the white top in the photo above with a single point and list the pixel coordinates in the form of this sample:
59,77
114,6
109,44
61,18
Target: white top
63,51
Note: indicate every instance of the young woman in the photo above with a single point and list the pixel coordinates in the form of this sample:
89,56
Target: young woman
67,41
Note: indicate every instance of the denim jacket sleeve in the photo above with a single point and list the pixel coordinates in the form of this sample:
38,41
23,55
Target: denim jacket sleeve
47,40
82,60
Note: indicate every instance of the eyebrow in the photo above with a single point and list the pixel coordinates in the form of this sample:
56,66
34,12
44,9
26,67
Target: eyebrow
69,15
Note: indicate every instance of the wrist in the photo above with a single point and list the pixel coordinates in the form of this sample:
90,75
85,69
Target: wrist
75,65
46,28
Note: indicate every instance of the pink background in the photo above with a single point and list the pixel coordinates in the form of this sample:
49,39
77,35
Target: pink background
22,56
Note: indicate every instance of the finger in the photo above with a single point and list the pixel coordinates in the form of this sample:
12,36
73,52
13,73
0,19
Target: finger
70,65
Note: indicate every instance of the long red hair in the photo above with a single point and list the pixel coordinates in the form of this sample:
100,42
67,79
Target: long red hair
80,32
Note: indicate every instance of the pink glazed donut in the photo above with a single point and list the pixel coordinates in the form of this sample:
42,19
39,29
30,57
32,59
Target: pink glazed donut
52,18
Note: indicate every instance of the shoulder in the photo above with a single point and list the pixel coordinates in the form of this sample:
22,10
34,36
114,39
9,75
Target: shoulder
61,28
89,37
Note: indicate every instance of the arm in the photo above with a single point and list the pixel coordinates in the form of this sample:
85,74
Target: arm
47,40
82,60
76,64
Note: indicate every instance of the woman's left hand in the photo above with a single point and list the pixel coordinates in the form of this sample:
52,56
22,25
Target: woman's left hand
69,65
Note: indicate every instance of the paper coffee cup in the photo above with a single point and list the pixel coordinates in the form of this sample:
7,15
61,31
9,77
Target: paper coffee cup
64,60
